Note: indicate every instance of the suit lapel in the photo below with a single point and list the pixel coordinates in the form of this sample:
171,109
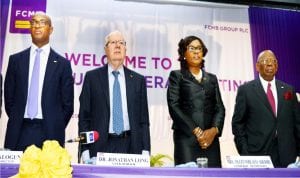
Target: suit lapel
24,69
205,78
51,66
280,90
189,76
259,90
103,81
129,80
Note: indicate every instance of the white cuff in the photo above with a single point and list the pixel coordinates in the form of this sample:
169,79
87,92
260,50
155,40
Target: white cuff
85,156
145,152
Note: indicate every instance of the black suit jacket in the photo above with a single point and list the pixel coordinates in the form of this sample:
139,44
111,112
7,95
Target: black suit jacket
57,96
192,104
254,123
94,111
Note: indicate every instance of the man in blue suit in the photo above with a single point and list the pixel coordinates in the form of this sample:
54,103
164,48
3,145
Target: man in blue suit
97,104
266,119
38,91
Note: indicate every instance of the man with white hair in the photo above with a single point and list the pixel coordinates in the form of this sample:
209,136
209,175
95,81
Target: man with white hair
113,101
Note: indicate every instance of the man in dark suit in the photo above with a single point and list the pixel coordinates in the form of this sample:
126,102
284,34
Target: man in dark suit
98,104
266,119
38,91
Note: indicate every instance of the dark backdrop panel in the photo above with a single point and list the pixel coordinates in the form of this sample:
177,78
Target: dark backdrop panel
278,30
4,6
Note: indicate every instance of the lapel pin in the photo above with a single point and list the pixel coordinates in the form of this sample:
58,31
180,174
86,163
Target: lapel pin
54,61
131,75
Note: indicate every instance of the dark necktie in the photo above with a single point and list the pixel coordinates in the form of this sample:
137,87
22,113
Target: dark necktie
271,98
32,99
117,106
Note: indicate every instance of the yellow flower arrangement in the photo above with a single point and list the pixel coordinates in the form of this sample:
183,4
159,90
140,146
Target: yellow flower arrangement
49,162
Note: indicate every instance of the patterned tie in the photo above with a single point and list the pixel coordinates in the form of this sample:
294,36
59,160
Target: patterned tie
32,100
271,98
117,106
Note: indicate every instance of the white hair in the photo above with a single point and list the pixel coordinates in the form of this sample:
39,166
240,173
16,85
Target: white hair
116,32
263,52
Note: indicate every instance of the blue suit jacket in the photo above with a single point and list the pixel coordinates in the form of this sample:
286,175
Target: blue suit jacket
57,96
94,111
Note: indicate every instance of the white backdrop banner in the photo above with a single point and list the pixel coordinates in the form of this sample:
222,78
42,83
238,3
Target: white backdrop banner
152,33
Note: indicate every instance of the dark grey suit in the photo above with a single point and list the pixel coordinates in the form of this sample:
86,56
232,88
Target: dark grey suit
254,124
192,104
57,96
94,111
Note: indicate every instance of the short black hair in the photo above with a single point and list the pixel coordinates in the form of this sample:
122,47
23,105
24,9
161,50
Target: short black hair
182,47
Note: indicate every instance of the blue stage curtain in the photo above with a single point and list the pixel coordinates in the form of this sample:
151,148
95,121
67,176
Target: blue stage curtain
278,30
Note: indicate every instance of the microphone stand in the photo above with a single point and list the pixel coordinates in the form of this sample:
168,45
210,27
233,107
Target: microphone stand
79,152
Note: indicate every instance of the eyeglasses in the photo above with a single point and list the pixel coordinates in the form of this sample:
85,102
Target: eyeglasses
41,23
194,48
117,42
268,61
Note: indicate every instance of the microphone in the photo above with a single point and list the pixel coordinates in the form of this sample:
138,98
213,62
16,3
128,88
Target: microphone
86,137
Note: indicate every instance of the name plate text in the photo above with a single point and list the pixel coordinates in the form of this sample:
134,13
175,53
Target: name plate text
127,160
248,162
10,156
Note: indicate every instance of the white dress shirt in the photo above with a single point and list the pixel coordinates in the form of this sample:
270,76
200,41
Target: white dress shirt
273,88
122,82
44,55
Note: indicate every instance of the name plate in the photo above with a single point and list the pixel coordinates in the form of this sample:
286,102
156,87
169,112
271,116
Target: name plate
248,162
10,156
126,160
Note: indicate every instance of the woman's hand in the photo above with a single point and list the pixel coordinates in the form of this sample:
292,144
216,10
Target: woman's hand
207,137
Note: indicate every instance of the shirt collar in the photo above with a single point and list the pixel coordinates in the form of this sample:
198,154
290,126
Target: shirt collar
120,69
265,83
45,48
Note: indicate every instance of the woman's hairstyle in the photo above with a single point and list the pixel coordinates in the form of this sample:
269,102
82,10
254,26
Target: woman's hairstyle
182,47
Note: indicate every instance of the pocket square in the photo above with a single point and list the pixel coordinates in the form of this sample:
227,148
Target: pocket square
288,95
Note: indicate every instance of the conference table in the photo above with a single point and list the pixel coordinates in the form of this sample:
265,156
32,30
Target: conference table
93,171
